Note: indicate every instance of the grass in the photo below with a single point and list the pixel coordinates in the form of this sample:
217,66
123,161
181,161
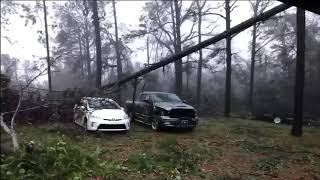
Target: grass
218,149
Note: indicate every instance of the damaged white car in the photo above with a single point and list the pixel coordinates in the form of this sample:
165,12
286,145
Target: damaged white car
101,114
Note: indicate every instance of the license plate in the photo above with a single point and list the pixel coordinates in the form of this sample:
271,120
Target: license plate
184,122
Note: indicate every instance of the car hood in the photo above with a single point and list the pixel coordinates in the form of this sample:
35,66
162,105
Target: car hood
109,113
168,105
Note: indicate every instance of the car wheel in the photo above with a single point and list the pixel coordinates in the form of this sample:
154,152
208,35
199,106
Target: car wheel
277,120
155,125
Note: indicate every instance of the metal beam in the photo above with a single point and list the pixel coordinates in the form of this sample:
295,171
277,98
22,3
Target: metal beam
307,5
236,29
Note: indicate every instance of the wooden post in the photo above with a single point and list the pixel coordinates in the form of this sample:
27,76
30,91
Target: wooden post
299,84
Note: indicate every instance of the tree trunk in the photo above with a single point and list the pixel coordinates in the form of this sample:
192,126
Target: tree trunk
253,54
300,71
228,62
87,44
199,70
117,49
178,63
188,70
96,25
47,45
81,58
236,29
148,51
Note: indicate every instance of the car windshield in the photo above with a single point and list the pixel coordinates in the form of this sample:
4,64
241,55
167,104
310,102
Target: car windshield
166,97
102,104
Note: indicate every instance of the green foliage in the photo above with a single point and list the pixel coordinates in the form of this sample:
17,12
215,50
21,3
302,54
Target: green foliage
271,164
170,156
55,160
142,162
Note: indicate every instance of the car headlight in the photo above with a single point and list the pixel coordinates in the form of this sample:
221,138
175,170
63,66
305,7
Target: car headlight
126,117
95,117
163,112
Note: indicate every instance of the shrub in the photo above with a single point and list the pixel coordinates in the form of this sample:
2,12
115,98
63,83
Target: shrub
142,162
56,160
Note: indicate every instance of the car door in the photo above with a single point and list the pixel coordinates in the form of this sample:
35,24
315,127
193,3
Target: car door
147,108
138,107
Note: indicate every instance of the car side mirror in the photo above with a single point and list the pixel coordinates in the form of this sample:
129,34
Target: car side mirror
82,107
122,108
184,101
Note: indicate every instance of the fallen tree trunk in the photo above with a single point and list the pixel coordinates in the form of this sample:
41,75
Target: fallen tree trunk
236,29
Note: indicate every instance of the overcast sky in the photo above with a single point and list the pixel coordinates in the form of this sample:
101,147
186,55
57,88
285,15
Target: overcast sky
26,46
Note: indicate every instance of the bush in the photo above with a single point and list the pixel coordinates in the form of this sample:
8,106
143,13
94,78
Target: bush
56,160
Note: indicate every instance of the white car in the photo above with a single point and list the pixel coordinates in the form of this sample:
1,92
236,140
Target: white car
101,114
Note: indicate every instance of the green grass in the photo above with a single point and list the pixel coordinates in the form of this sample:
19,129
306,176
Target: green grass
218,149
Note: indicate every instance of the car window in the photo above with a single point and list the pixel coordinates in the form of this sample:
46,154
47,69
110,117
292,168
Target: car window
166,97
102,104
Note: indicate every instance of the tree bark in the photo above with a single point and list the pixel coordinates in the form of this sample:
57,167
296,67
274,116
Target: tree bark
178,63
228,62
253,54
300,72
81,57
199,70
148,51
96,25
117,49
47,45
87,44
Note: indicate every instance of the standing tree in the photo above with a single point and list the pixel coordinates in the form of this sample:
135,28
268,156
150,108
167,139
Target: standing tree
47,45
117,48
258,7
228,62
165,19
96,25
299,84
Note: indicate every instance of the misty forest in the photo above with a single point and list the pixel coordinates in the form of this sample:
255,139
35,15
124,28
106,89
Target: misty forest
199,89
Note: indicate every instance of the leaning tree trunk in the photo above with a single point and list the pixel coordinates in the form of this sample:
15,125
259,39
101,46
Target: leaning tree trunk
96,25
117,49
47,45
228,62
178,63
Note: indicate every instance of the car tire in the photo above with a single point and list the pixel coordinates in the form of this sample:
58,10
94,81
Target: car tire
155,125
277,120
